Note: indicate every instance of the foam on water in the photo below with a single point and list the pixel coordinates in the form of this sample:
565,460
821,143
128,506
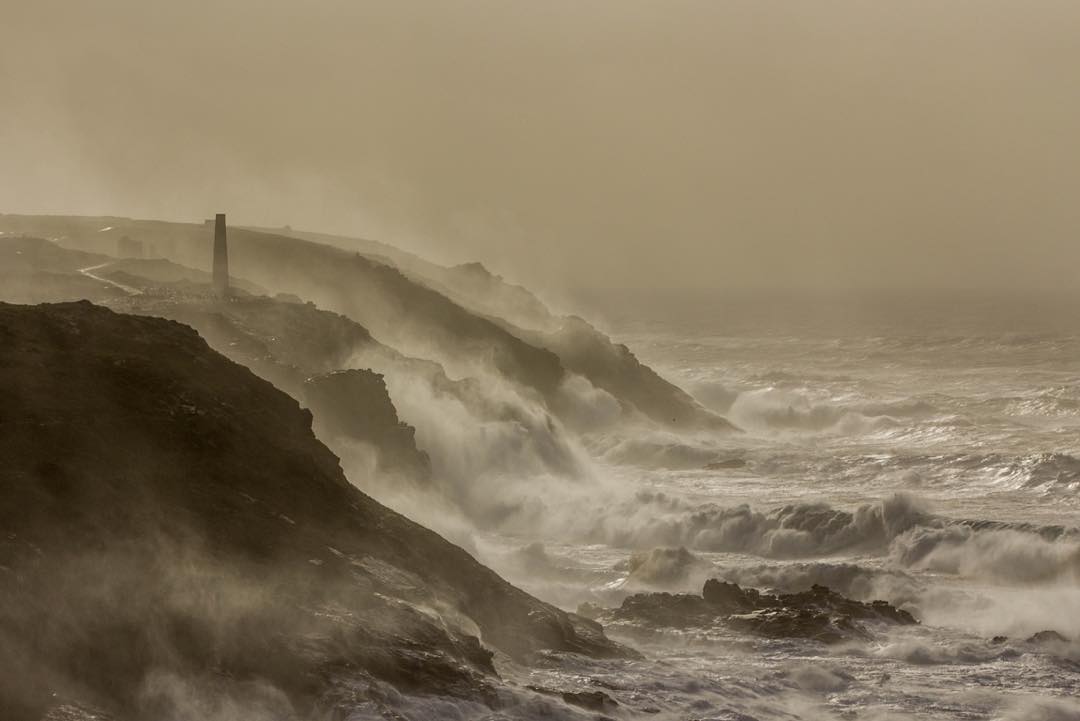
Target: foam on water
933,467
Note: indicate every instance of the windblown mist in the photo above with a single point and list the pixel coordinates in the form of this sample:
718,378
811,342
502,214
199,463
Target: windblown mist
614,144
730,351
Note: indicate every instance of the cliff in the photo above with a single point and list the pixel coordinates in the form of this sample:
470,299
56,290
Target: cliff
464,317
169,524
336,398
580,347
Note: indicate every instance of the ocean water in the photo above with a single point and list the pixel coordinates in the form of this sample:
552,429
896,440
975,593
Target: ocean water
924,450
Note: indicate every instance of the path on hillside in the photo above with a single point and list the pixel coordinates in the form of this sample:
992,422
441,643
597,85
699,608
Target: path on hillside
89,273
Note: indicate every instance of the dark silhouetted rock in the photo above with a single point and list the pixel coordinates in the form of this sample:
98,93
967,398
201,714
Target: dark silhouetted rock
730,598
1047,637
591,700
817,613
168,520
673,610
355,404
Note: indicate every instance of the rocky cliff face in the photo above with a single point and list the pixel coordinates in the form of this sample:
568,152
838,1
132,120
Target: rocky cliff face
292,344
172,534
818,613
580,347
334,398
464,317
299,349
288,341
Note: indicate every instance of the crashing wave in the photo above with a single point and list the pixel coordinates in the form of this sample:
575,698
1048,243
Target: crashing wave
782,410
658,452
800,530
860,582
1047,472
665,568
998,555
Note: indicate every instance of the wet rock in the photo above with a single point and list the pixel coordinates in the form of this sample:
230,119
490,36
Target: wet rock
788,622
591,700
817,613
728,597
222,549
1047,637
673,610
826,600
355,405
726,464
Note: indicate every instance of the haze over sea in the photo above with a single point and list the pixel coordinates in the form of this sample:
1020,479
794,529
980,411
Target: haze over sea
946,424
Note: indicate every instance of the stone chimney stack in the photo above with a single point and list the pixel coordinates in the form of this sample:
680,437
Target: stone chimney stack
221,258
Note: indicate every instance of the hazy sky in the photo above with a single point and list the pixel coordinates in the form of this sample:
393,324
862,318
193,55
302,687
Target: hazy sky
649,143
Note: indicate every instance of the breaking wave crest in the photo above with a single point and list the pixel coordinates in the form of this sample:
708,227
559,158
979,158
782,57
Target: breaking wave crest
861,582
1045,472
781,410
997,555
799,530
654,452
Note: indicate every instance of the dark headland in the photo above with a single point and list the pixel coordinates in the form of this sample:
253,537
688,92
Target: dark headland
168,517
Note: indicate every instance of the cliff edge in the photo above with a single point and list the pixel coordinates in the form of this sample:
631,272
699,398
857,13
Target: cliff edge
170,527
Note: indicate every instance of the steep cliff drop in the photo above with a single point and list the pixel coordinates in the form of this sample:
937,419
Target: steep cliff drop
466,318
174,539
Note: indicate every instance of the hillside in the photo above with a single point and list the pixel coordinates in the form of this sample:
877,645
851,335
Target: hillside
467,319
580,347
169,521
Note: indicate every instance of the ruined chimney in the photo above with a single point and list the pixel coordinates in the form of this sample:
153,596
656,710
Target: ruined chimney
221,258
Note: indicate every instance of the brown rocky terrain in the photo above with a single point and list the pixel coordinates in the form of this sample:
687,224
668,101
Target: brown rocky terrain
817,613
463,316
170,528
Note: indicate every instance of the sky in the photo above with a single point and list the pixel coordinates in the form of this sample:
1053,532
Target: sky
649,144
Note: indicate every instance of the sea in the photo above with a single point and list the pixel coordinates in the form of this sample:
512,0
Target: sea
918,448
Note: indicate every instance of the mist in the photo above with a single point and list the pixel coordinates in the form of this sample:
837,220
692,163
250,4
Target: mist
571,145
568,359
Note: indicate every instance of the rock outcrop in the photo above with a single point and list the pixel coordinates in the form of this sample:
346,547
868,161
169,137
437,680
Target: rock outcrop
287,341
464,317
354,405
170,528
818,613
